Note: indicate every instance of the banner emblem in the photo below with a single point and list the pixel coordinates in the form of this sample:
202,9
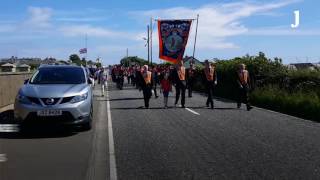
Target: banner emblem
173,38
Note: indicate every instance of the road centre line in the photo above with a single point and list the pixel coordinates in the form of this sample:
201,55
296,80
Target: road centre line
112,155
192,111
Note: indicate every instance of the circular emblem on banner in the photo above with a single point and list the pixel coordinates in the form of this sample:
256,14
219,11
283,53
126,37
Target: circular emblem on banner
173,43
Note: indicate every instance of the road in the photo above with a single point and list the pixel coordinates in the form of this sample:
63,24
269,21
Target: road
194,143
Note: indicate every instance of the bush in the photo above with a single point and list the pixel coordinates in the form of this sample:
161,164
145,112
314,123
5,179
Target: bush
301,104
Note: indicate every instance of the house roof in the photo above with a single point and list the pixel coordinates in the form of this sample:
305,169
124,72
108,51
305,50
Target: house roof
188,59
23,65
8,65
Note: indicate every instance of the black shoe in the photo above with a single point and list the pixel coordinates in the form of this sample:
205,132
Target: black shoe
183,106
249,108
238,106
212,106
207,104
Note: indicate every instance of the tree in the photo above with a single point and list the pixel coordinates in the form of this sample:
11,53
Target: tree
98,65
132,60
74,58
83,62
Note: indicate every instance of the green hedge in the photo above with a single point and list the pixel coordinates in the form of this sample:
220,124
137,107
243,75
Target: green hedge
301,104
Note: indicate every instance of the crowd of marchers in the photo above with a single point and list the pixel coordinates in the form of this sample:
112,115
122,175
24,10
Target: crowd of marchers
148,78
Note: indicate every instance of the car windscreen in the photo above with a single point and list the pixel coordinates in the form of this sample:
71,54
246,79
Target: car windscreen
58,76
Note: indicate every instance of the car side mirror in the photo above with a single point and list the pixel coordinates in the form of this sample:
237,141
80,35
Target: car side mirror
26,81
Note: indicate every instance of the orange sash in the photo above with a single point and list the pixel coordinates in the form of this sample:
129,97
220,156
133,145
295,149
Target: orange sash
182,73
147,77
243,76
209,74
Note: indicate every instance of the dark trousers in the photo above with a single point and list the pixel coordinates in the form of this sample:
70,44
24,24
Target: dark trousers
210,92
155,90
146,95
190,87
128,78
181,89
243,96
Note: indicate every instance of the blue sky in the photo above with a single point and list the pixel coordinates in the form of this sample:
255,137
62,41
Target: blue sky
227,28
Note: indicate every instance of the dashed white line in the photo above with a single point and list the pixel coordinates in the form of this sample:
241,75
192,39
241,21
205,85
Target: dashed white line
3,158
192,111
112,155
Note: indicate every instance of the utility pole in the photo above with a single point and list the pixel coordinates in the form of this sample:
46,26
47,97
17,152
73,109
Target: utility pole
151,29
148,43
86,44
127,52
195,38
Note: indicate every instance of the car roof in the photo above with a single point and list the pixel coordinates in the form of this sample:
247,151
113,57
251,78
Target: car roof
59,66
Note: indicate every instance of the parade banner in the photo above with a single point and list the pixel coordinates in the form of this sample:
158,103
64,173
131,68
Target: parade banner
173,38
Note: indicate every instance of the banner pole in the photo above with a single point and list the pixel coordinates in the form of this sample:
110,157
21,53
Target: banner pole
195,38
148,43
151,29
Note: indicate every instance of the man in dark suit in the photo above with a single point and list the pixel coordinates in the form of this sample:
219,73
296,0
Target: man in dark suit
145,77
210,80
243,82
191,73
155,81
179,79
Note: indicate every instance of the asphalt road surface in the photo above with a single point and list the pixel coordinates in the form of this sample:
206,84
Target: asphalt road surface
195,143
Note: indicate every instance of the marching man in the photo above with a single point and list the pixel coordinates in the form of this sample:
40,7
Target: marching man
145,85
103,75
190,79
179,78
243,81
210,80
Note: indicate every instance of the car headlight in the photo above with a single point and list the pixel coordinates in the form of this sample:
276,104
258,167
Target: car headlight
79,98
23,99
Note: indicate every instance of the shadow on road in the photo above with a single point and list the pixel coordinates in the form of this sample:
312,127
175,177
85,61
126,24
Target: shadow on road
170,107
6,117
33,133
9,129
125,99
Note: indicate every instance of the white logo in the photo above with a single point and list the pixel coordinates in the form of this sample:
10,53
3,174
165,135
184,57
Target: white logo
50,101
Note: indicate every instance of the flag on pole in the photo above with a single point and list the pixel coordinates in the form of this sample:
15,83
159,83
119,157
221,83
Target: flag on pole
173,38
83,51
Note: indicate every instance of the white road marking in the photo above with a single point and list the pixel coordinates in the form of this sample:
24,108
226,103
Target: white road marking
112,155
9,128
192,111
3,158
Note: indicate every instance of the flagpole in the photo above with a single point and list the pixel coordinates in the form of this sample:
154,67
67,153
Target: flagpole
195,38
148,42
151,29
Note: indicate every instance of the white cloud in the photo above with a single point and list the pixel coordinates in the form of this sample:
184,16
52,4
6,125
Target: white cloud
39,17
81,30
73,19
6,28
282,31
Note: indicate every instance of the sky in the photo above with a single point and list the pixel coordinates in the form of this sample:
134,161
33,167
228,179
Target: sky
227,28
